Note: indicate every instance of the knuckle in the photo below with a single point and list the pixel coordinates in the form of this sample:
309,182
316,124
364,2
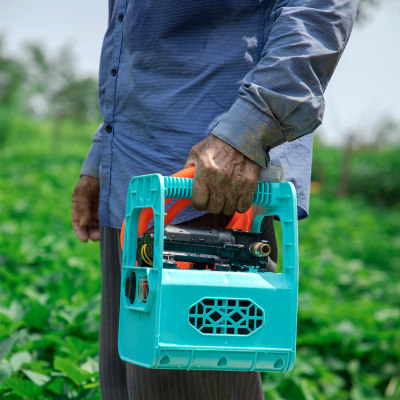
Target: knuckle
216,203
245,203
194,150
198,205
229,210
251,181
206,166
214,209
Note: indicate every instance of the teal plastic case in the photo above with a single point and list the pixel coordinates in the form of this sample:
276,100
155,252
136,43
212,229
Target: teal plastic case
209,320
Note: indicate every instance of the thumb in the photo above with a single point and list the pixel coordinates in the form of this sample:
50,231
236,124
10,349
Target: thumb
192,159
190,162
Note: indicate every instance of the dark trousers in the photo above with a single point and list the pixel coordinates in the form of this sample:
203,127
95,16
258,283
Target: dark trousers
124,381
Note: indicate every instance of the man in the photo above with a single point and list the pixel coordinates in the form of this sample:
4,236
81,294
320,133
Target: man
241,79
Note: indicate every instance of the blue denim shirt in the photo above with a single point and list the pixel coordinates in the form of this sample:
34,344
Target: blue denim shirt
251,72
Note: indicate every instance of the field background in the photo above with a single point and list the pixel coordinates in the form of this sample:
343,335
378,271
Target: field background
349,303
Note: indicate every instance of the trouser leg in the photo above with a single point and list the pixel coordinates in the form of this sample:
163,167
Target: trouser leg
153,384
112,370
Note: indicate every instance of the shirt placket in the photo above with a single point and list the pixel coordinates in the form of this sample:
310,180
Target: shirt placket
109,125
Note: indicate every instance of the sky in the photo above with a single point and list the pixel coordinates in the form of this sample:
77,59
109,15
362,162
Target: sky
364,89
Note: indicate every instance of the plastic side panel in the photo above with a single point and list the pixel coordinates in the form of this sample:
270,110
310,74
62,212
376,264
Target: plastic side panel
136,337
145,191
139,322
280,199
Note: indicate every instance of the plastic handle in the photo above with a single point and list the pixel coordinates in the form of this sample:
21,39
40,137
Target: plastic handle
239,221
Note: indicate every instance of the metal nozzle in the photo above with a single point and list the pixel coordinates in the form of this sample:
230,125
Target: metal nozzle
259,249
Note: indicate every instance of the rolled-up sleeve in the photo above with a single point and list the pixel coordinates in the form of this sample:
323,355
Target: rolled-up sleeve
91,165
282,99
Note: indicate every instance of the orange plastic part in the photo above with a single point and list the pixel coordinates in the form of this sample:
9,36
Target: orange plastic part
238,221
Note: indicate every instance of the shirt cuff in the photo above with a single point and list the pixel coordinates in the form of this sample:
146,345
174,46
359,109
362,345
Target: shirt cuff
249,130
91,165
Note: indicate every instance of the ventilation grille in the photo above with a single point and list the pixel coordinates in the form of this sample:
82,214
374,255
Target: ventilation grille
226,317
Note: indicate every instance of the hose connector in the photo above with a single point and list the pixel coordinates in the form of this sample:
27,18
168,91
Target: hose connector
260,249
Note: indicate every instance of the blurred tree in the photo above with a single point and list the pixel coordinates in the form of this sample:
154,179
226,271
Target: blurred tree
345,168
387,132
365,8
76,99
12,77
56,87
375,174
46,86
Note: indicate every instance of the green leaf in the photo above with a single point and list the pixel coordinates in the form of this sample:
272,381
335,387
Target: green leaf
7,325
292,390
17,360
76,347
90,365
6,345
36,377
13,397
69,368
92,394
14,311
22,387
5,369
56,386
91,385
37,316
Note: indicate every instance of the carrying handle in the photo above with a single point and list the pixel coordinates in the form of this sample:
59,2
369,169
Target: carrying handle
241,221
150,192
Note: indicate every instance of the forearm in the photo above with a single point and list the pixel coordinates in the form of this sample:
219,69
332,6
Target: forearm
281,99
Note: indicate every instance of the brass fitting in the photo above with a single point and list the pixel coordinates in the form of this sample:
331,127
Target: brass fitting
260,249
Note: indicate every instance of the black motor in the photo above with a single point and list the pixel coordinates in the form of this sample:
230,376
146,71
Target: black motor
205,248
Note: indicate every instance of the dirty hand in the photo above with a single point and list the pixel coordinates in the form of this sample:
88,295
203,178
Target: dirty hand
225,179
85,203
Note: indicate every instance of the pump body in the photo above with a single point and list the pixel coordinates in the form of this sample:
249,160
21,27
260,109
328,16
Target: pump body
224,312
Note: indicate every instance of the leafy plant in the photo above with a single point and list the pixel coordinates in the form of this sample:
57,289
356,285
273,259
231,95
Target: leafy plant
349,318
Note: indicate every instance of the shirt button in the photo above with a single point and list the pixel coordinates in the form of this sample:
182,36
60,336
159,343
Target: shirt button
120,17
114,72
108,128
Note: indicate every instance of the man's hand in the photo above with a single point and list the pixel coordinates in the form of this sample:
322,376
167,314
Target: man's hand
85,204
225,179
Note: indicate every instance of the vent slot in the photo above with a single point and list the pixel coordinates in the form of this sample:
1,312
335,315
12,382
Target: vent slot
226,316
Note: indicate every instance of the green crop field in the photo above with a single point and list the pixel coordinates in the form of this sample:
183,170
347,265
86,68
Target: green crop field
349,303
